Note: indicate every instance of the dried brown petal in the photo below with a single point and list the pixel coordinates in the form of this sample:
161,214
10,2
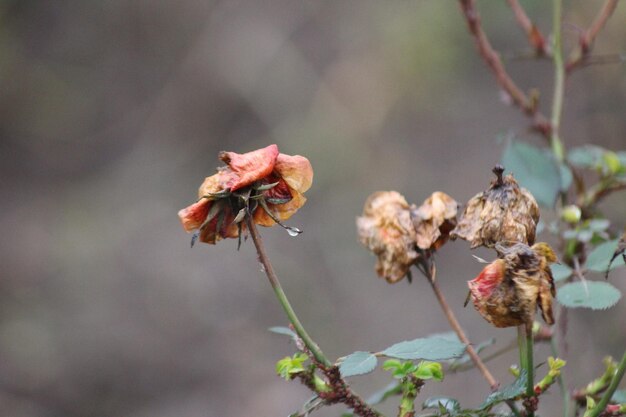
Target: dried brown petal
505,213
508,291
386,229
434,220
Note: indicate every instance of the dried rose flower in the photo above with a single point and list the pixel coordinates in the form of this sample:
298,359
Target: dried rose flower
265,183
504,213
434,220
508,291
387,230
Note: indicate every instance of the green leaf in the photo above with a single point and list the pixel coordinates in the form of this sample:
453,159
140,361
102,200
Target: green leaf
534,169
284,331
561,272
429,370
358,363
566,177
588,156
590,294
289,366
451,405
509,392
466,358
430,348
599,257
619,396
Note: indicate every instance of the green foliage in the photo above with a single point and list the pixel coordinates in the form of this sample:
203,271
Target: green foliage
534,169
509,392
442,404
619,396
598,259
288,367
358,363
603,161
432,348
561,272
590,294
466,358
424,370
284,331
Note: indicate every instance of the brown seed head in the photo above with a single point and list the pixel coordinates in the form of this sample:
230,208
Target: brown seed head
505,212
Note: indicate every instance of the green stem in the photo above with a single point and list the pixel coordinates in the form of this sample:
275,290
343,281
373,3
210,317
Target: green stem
604,401
282,297
559,81
525,340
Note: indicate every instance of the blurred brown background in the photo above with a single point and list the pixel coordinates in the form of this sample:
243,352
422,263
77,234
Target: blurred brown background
111,115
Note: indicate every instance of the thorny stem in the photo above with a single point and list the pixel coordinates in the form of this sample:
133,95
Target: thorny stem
492,58
282,297
604,401
454,323
588,36
533,34
559,80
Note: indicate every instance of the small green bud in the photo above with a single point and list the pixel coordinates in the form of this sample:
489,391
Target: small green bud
571,214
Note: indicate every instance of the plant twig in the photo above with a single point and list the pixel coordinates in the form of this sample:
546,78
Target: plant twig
504,80
525,342
588,36
282,297
606,397
559,81
340,390
454,323
533,34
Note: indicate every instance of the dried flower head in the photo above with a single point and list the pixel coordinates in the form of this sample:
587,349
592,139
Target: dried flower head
505,213
434,220
386,229
264,184
508,291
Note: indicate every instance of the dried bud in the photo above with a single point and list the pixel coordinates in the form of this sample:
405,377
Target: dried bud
434,220
504,213
386,229
508,291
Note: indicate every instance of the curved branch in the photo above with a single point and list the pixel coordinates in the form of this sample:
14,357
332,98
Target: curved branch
535,37
588,36
528,105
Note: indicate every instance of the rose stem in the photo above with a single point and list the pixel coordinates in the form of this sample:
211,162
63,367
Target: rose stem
454,323
604,401
525,340
282,297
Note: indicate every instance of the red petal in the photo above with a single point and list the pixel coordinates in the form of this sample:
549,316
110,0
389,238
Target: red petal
244,169
488,279
194,215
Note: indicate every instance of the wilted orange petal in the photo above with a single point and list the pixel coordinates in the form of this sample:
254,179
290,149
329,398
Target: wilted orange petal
244,169
296,170
193,216
210,185
280,211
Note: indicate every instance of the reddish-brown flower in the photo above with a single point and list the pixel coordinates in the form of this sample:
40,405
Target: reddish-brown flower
386,229
265,183
508,291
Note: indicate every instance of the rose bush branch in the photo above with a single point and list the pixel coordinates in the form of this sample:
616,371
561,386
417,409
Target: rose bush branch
534,35
528,106
588,36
